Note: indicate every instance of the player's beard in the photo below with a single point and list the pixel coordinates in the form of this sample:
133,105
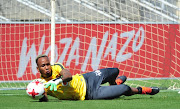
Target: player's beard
47,74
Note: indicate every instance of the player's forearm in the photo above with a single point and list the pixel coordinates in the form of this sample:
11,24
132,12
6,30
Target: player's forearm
66,75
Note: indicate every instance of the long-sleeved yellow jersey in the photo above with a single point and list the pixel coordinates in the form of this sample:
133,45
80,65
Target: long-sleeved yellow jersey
72,90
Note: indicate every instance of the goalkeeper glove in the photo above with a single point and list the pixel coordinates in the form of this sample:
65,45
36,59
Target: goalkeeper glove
53,83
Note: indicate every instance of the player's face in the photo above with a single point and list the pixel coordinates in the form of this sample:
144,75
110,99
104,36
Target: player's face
44,67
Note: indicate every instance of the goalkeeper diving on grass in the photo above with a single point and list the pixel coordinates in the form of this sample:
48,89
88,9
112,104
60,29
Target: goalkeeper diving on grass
60,83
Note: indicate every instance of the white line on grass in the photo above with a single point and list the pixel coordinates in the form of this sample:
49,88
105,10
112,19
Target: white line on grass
3,94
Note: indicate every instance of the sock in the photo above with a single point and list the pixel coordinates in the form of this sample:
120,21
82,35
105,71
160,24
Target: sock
139,90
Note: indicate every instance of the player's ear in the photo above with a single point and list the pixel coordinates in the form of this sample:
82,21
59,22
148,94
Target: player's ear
37,68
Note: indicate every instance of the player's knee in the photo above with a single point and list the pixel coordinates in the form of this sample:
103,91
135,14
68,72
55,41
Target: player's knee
113,71
116,71
127,90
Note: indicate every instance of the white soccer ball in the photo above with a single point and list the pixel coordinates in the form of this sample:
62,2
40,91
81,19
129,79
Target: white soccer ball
35,89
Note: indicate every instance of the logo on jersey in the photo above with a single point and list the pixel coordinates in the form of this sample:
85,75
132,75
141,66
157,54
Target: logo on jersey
98,72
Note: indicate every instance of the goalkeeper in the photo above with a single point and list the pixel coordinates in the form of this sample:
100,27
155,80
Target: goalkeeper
61,84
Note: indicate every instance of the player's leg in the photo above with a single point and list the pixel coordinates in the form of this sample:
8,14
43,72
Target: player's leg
113,91
96,78
148,90
110,92
120,80
109,75
142,90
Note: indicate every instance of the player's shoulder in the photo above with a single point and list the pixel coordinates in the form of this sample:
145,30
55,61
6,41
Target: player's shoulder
58,65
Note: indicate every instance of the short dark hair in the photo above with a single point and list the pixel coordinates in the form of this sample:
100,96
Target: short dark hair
40,56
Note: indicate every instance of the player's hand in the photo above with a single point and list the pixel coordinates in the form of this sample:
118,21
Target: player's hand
53,83
53,86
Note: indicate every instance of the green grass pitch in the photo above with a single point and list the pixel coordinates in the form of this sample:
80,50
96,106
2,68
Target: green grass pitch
17,99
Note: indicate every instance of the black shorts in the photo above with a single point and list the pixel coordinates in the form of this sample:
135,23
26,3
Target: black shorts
96,78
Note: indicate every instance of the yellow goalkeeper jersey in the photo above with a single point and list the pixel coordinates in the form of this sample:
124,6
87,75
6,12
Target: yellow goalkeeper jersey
72,90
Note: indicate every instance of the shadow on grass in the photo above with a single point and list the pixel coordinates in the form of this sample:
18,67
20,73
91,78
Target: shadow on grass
50,100
134,98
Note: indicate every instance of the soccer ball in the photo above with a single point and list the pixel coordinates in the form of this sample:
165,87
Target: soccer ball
35,90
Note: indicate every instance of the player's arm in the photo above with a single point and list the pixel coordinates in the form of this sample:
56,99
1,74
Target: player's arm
65,77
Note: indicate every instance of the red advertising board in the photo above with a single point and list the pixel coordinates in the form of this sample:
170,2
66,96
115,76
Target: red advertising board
138,50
